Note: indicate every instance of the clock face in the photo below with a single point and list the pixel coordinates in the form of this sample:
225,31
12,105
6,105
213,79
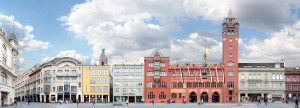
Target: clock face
277,66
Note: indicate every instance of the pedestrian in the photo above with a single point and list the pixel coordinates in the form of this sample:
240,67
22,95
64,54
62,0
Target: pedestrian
202,102
153,101
77,102
296,102
266,101
16,102
28,101
127,102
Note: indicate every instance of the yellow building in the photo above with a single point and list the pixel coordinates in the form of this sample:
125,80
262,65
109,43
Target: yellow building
96,81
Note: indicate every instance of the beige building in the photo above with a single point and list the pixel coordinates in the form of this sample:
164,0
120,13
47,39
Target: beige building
128,81
8,65
21,86
96,81
260,81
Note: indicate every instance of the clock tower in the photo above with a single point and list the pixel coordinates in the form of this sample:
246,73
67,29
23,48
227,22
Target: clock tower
230,35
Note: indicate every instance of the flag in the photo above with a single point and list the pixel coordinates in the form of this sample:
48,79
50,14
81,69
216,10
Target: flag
181,75
217,74
175,75
210,75
195,74
189,72
200,75
223,74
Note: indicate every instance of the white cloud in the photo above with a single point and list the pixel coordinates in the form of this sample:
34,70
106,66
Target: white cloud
68,53
26,39
126,30
21,65
284,44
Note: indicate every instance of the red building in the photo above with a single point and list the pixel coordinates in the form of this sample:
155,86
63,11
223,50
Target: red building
156,80
195,82
292,83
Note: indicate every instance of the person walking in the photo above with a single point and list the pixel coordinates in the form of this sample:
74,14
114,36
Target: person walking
296,103
153,101
266,101
202,102
28,101
127,102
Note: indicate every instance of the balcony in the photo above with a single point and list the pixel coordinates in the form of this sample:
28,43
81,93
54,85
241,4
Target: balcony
66,74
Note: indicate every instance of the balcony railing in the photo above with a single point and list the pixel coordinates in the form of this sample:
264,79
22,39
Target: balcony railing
66,74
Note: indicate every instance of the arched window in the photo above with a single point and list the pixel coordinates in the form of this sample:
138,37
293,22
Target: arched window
250,76
277,76
230,63
273,76
67,68
232,32
228,32
3,78
254,76
281,76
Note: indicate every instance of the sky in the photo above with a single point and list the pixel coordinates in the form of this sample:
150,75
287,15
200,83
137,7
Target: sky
132,29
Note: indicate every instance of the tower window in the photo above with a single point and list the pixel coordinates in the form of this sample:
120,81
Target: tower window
230,55
230,73
230,40
230,47
230,63
232,32
228,32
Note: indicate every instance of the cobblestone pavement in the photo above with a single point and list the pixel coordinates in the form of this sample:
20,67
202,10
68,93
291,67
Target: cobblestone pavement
148,105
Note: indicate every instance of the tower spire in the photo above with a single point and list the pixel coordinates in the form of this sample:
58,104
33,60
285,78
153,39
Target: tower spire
103,58
204,56
230,15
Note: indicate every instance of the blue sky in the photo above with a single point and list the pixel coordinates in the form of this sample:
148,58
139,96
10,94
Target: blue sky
130,30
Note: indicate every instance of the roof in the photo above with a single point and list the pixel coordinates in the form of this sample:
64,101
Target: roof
12,37
156,51
60,59
259,65
230,15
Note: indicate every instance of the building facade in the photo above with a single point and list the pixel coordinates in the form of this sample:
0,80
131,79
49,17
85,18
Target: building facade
195,82
261,81
8,65
128,81
156,80
21,87
292,83
97,81
57,80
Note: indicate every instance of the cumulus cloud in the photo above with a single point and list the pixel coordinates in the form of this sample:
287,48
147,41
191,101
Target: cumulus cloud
283,44
68,53
21,65
128,29
26,39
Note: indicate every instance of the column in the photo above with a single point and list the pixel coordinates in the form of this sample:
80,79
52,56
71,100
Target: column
247,98
56,97
96,98
108,98
102,98
76,98
44,98
262,95
239,97
89,98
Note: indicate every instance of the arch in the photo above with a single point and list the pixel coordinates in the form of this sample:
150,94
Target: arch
193,97
204,97
215,97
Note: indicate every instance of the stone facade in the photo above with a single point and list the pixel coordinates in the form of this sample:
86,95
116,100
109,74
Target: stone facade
261,81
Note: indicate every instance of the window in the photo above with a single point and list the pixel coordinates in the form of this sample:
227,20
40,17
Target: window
195,84
149,73
230,84
230,73
230,47
151,85
230,92
162,95
220,84
243,85
250,76
163,73
230,40
174,95
3,79
242,76
53,89
230,55
162,84
201,85
151,65
213,84
151,95
180,85
173,85
230,63
79,84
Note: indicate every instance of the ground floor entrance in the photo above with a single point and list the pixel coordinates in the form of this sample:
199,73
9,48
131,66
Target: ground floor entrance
215,97
193,97
204,97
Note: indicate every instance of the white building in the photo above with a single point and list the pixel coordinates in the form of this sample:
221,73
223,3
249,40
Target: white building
8,67
261,80
128,81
